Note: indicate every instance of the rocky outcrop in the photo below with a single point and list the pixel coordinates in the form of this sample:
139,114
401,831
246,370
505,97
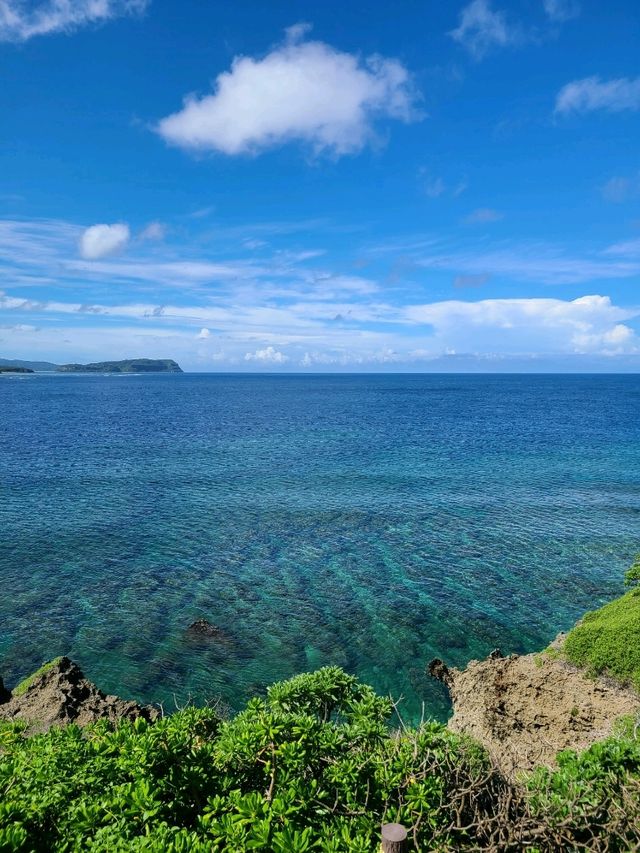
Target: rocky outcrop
524,709
202,628
59,694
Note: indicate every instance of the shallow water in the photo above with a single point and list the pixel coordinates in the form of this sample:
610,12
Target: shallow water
370,521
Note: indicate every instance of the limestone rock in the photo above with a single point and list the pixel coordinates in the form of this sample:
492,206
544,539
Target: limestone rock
526,708
60,694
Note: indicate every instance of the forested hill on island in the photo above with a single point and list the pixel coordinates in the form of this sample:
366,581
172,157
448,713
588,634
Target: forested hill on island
133,365
129,365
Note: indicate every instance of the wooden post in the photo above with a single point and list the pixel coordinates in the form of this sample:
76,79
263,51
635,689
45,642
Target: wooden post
394,838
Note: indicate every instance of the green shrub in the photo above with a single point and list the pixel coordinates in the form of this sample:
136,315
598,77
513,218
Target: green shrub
592,800
313,766
608,640
632,575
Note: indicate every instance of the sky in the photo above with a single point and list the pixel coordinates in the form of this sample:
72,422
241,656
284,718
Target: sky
314,187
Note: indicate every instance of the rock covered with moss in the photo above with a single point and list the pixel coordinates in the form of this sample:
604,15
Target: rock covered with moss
58,694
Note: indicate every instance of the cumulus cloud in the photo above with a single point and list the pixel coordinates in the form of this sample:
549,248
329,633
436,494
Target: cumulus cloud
482,28
269,355
561,10
482,215
588,324
592,93
20,21
304,91
613,341
100,241
204,334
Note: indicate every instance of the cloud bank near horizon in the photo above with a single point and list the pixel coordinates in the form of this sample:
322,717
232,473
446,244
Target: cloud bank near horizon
265,309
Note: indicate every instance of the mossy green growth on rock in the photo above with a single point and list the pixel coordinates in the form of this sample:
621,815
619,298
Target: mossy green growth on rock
607,641
24,685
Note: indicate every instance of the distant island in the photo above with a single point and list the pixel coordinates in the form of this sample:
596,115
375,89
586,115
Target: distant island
131,365
34,366
128,365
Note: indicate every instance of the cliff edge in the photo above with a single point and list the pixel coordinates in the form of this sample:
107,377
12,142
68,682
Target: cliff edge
58,694
525,708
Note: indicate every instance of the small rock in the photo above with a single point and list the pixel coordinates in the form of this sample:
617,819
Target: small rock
496,654
439,670
202,628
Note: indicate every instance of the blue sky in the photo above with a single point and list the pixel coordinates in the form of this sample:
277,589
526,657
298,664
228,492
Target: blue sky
315,187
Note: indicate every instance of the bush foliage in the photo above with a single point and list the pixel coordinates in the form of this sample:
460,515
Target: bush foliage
608,640
312,767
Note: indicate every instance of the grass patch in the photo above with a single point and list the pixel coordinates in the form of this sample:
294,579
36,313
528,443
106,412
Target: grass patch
607,641
24,685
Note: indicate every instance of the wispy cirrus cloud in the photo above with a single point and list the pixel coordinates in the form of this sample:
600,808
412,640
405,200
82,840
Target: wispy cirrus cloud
20,21
301,91
482,28
630,248
559,11
482,216
592,93
591,324
621,188
469,280
245,310
540,263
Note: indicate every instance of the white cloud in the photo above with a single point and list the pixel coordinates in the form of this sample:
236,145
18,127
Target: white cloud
20,21
481,29
154,231
541,263
269,355
252,245
20,327
630,248
561,10
204,334
100,241
587,324
592,93
300,91
482,215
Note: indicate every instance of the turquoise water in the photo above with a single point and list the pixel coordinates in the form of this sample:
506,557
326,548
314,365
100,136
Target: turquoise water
368,521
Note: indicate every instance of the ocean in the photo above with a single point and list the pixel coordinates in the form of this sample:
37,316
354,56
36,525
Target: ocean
369,521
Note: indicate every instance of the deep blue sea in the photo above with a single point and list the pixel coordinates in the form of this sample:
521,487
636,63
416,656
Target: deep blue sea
368,521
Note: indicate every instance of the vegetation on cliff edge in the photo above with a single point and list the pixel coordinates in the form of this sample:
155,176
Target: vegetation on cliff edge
312,767
607,641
